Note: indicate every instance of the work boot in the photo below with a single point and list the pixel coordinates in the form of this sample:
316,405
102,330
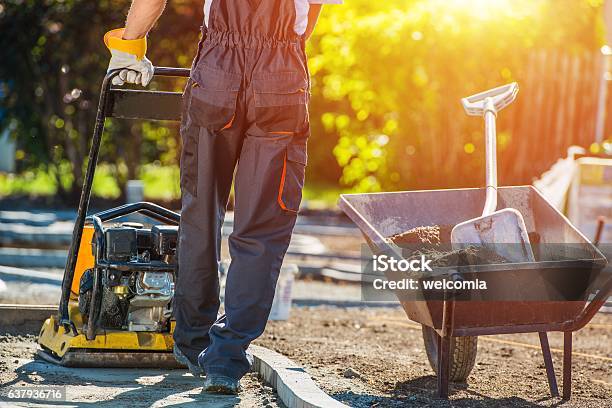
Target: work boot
196,370
220,384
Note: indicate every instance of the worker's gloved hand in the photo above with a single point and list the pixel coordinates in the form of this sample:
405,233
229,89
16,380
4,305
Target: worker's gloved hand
129,57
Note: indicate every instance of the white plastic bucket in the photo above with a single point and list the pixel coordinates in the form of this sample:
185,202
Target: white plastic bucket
281,306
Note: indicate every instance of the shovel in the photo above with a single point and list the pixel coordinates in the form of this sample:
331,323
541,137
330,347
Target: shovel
503,231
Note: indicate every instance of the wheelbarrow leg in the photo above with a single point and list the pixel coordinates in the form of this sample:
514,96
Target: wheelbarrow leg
567,365
444,341
443,365
548,363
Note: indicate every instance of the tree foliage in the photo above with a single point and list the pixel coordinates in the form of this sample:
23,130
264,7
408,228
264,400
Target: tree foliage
390,76
53,60
387,80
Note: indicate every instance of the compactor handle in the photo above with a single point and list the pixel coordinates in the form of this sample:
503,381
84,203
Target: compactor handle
77,232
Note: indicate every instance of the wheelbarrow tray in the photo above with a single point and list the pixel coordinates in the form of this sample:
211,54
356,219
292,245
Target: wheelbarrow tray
546,295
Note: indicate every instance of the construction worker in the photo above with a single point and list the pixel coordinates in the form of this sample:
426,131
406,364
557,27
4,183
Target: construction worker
245,109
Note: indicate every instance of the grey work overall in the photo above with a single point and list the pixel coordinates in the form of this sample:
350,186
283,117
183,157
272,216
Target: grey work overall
245,110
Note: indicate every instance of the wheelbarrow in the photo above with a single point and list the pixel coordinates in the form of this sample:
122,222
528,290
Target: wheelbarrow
531,301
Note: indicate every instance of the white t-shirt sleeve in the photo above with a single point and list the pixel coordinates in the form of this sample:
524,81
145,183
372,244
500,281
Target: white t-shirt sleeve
301,12
207,4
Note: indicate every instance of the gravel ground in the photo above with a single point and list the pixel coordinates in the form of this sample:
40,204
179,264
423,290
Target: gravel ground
374,357
116,387
365,357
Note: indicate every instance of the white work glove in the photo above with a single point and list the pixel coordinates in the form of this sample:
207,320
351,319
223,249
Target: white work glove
129,57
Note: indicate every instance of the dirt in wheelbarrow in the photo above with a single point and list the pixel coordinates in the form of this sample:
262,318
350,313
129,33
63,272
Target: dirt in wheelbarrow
434,242
374,358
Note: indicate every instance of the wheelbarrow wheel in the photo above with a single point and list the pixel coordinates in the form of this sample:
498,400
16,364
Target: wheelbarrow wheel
462,354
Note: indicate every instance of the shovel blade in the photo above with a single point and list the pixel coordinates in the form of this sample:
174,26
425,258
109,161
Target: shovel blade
503,231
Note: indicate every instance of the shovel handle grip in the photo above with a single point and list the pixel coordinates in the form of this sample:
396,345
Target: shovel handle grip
494,99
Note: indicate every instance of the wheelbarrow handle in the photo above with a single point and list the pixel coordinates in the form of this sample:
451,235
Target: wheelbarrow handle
591,308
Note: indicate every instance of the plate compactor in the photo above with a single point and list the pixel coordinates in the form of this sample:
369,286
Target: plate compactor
118,286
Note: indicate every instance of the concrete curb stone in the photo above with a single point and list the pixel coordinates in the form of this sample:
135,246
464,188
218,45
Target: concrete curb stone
294,386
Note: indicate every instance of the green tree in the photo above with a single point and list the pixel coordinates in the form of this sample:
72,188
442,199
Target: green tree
53,60
389,77
387,80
